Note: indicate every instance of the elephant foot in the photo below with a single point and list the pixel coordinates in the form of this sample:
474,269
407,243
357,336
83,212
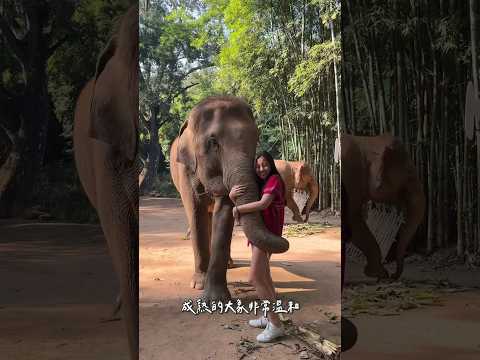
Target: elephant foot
114,316
230,264
378,272
110,318
216,293
297,218
198,280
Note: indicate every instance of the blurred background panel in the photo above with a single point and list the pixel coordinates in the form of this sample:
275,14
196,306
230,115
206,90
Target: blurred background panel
411,69
58,283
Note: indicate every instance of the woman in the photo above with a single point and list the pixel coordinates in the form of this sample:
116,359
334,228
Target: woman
272,206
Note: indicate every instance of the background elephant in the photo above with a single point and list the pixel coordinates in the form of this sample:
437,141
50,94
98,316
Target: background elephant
105,147
298,175
379,168
215,151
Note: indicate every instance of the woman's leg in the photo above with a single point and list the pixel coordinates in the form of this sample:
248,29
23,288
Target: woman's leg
261,279
270,279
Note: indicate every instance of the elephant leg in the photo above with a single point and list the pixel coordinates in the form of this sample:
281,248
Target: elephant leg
200,237
365,241
222,227
292,205
121,232
198,220
117,306
230,264
128,289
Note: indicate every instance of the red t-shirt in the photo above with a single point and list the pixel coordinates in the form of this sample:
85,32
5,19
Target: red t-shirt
274,215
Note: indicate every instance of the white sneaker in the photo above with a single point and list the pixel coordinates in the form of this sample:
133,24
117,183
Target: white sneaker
270,333
261,322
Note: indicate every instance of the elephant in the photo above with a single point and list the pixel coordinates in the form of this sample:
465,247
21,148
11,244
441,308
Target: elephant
105,139
379,168
230,264
214,152
298,175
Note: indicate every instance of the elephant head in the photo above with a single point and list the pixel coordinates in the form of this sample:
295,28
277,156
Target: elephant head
302,176
394,180
217,145
304,179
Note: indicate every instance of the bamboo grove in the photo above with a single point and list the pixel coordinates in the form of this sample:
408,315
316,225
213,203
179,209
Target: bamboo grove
406,66
294,82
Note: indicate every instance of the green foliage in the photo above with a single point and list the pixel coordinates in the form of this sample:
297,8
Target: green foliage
320,59
277,55
73,63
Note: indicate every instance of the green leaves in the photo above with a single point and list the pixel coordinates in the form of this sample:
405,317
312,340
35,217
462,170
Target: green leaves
320,59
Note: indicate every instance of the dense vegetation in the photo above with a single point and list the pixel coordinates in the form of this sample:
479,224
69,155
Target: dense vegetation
280,56
405,70
49,51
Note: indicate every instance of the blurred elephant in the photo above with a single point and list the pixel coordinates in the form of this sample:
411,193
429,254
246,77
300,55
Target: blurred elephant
105,148
379,168
298,175
215,151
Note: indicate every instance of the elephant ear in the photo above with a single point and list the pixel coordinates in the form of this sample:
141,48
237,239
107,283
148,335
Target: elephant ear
185,153
114,104
106,54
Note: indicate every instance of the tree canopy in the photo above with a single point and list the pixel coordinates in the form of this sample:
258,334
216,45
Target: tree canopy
278,55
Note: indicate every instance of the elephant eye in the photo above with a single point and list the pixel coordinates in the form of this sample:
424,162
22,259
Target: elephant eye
212,143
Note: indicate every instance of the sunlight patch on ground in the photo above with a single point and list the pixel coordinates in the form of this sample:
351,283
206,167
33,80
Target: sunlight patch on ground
278,274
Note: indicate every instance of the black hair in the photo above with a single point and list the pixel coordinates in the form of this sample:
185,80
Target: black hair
273,169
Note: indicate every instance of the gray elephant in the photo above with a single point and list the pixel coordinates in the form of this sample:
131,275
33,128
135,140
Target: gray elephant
214,152
105,148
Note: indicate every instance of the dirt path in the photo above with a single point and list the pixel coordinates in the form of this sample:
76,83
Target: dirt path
449,331
308,273
57,283
446,332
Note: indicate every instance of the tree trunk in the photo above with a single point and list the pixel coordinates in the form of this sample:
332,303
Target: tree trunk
153,153
473,33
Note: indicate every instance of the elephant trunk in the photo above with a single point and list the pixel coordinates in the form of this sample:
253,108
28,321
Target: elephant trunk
241,172
415,212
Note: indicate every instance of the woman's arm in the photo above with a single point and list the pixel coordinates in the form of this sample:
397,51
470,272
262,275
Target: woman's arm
259,205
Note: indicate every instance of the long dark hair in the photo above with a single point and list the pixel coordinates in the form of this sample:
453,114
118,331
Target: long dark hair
273,169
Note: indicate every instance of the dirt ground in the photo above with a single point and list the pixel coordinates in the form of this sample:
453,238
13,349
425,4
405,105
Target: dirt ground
448,331
57,283
308,273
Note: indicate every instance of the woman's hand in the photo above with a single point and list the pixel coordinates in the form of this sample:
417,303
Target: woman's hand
237,190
